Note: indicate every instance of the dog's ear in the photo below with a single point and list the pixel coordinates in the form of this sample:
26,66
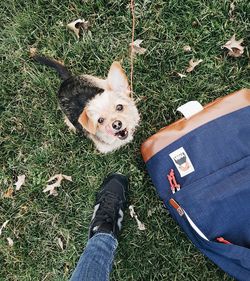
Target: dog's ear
117,79
87,123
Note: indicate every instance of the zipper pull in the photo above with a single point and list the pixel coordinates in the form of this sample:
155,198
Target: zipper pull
171,184
176,185
222,240
177,207
172,181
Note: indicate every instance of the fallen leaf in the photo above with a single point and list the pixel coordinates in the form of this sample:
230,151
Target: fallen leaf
60,23
23,210
136,49
69,178
20,181
10,242
193,64
78,25
66,267
196,23
234,47
231,10
140,225
60,242
33,52
52,187
9,192
150,213
181,75
187,48
3,226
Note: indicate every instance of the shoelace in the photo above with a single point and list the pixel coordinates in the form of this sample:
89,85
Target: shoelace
107,211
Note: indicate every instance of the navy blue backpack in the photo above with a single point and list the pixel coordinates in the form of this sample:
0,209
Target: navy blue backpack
200,167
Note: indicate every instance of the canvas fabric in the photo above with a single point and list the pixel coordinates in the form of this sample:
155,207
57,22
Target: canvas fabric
214,198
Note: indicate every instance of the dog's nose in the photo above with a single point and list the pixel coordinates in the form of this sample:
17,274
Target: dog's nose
117,124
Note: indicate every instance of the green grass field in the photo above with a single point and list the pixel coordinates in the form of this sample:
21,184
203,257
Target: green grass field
35,141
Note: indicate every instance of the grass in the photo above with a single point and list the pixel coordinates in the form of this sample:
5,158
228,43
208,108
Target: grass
35,141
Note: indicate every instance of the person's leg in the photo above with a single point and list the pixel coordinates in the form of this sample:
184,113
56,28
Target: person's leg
96,261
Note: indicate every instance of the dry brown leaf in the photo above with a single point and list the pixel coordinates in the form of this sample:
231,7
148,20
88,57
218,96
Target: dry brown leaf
187,49
60,242
78,25
181,75
136,49
9,192
52,186
150,213
3,226
67,266
33,52
10,242
60,23
234,47
20,182
193,64
231,10
23,210
140,225
69,178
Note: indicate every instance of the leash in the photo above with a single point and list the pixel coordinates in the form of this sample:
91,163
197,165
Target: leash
132,8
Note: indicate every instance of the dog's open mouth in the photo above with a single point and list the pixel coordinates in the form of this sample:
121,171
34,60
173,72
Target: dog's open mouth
122,135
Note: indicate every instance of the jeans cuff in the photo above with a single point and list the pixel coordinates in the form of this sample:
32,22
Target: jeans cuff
106,235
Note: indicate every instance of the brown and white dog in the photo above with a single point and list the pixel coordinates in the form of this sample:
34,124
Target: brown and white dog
101,108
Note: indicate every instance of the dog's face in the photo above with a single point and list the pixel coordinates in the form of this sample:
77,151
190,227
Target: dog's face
111,116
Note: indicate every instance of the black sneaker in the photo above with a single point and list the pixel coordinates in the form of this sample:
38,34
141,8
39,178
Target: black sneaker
109,207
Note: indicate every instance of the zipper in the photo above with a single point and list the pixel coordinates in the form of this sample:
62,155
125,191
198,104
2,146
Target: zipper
182,213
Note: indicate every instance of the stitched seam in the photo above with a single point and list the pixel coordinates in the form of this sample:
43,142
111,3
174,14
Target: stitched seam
215,172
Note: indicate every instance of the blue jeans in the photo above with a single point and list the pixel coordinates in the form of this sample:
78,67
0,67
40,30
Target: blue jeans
95,263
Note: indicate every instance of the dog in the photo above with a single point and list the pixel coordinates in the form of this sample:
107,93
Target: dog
102,109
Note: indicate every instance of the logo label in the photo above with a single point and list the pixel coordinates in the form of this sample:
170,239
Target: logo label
182,162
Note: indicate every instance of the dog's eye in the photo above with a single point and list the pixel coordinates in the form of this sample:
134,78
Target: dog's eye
100,120
119,107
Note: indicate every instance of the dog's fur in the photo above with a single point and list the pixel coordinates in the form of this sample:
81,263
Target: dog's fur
87,100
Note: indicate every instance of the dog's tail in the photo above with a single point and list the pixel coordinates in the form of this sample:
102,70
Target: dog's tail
63,72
